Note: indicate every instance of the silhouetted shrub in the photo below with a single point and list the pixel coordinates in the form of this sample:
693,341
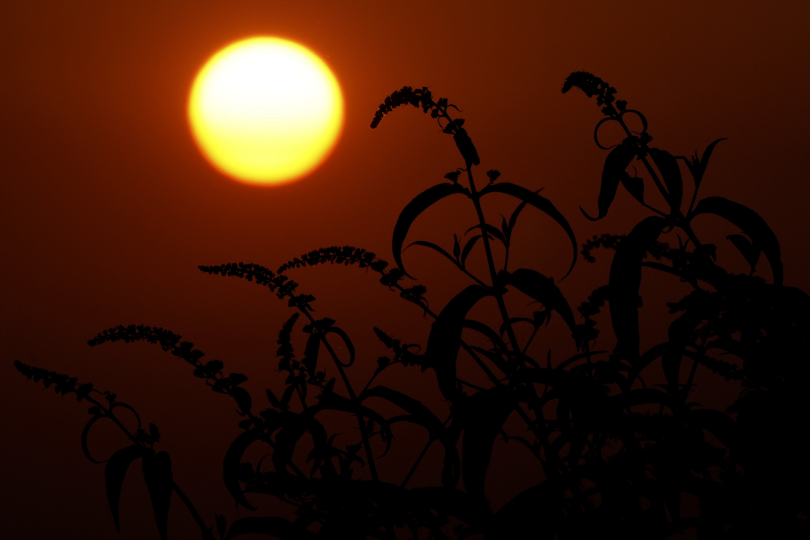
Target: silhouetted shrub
617,448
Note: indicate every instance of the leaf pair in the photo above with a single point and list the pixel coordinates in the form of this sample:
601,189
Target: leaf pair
157,472
434,194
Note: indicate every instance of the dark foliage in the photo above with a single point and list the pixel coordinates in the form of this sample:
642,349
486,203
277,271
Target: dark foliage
619,451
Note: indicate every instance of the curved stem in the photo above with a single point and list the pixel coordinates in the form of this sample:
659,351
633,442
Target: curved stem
360,421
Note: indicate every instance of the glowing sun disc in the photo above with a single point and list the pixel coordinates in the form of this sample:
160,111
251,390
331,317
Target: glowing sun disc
265,110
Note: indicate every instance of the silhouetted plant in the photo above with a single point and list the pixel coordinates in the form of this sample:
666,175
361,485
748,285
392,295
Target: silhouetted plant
617,448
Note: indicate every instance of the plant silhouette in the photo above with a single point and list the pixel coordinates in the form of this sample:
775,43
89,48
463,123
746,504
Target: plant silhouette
618,449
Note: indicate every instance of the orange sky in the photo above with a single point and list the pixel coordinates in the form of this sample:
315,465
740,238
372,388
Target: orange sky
108,206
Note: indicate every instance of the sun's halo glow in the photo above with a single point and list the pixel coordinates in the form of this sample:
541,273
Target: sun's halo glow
265,110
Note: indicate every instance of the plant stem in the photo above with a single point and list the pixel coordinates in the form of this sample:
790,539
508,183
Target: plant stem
196,515
361,423
491,263
677,214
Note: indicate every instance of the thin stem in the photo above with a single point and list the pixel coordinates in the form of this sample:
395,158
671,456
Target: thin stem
362,423
200,523
431,440
203,527
491,263
677,214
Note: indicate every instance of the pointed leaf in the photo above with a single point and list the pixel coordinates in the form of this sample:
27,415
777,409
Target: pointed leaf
635,186
481,328
698,168
491,229
625,281
615,164
157,471
717,423
114,473
230,466
671,173
346,341
456,247
418,205
242,398
271,397
422,415
445,338
270,526
434,247
486,412
287,396
751,224
748,250
542,204
468,248
286,440
513,220
542,289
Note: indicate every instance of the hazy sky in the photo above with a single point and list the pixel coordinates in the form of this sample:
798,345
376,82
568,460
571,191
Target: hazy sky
108,206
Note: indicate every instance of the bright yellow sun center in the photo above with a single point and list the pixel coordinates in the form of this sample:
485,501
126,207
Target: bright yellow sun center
265,110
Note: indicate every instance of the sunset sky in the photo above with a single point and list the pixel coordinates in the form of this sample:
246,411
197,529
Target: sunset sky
108,206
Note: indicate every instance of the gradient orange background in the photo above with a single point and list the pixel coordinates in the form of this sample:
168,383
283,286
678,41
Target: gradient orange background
108,207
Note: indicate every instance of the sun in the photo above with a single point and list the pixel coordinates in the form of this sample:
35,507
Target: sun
265,110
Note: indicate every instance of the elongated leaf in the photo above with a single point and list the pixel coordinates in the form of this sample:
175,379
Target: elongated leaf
336,402
242,398
421,414
625,281
230,466
717,423
671,172
537,286
157,471
445,338
748,250
542,204
680,335
419,204
751,224
487,411
114,473
270,526
435,247
468,248
513,220
614,170
645,360
704,161
481,328
286,440
346,341
491,229
634,186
